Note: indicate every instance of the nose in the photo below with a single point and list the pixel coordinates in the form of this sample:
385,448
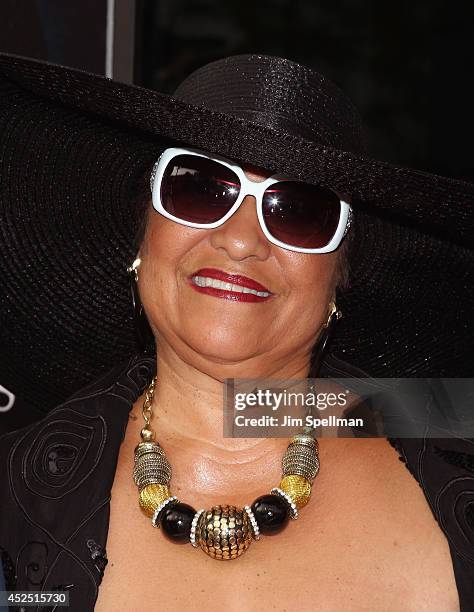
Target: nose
241,235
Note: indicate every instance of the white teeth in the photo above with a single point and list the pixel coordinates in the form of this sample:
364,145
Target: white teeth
205,281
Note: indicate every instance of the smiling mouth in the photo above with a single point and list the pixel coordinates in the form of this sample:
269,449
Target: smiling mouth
235,287
206,281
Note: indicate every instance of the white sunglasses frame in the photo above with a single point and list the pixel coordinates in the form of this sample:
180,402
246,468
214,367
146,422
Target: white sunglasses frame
248,187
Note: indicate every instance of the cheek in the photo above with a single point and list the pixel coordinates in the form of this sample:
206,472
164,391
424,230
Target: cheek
311,280
161,240
164,246
311,274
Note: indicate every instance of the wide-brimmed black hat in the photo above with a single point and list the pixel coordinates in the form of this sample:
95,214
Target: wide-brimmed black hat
73,147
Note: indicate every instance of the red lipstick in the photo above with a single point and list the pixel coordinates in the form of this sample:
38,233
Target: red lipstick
233,279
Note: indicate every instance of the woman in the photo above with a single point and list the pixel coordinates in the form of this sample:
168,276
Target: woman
367,538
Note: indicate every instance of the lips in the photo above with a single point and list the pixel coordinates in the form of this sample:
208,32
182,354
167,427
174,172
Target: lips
235,279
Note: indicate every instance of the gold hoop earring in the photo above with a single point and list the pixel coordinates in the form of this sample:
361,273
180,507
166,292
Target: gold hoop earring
333,311
334,314
143,332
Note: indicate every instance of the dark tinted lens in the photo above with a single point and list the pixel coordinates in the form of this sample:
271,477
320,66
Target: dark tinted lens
197,189
301,215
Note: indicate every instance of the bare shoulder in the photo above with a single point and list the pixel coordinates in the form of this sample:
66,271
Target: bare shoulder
380,539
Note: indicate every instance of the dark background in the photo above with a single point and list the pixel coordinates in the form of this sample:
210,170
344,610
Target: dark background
408,66
71,32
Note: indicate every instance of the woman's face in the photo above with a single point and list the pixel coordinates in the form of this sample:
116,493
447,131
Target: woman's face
242,338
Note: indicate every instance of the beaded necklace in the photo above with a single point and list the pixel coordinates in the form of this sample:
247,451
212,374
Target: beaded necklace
224,531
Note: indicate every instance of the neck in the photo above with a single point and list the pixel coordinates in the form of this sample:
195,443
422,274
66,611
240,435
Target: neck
188,423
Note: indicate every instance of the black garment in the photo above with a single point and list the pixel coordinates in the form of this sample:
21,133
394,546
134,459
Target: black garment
55,491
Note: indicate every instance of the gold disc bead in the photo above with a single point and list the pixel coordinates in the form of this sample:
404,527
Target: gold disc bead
224,532
297,487
152,496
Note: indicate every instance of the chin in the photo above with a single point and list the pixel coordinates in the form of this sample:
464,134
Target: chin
225,350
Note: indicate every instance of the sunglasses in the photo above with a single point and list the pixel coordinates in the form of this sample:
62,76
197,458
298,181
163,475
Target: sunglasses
203,191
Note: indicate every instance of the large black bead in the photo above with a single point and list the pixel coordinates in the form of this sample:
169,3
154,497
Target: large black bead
272,513
175,521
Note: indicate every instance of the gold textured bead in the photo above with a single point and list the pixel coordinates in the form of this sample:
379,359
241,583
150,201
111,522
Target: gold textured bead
301,457
152,496
224,532
150,465
297,487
